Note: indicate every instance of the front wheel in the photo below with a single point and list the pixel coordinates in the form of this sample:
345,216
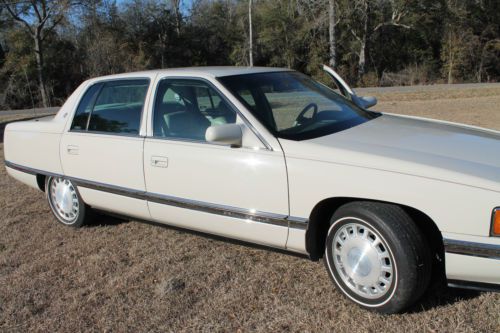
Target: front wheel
377,256
65,202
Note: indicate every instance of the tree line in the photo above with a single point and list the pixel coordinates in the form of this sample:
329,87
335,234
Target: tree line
48,47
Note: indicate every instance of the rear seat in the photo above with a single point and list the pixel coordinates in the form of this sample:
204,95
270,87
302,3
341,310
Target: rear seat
123,118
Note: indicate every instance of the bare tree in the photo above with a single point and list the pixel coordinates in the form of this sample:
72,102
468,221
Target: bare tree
2,52
176,4
398,10
250,36
331,33
39,18
361,7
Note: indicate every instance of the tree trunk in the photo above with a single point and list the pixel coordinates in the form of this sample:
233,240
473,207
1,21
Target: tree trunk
481,64
331,32
39,69
250,35
177,13
363,39
451,59
450,72
362,58
2,54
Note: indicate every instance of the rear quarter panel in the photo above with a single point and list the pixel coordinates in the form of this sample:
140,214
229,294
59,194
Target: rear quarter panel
35,143
32,148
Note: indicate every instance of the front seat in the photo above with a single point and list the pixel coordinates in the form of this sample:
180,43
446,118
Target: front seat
161,112
186,124
224,115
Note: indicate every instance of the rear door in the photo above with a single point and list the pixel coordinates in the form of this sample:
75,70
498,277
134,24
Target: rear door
103,146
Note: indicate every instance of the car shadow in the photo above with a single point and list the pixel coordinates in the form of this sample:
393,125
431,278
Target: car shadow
104,218
100,219
439,294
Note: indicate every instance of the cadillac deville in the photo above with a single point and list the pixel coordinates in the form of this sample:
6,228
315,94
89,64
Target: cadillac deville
272,157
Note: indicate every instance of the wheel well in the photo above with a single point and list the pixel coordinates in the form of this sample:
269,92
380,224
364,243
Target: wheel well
40,180
323,211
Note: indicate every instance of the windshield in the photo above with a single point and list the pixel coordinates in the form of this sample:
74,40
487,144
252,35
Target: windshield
293,106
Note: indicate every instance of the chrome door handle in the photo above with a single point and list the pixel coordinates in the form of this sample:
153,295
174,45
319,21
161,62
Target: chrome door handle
159,161
72,150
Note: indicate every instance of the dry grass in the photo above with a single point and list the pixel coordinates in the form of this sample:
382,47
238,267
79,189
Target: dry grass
132,276
440,94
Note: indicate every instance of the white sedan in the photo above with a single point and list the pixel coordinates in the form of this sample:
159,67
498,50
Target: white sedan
269,156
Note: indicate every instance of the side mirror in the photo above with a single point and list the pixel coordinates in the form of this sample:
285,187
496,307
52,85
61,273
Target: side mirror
363,102
367,101
229,134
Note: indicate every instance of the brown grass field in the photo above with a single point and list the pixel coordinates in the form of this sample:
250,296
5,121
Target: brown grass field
127,276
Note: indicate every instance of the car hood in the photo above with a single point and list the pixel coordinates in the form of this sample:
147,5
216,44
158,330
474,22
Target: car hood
421,147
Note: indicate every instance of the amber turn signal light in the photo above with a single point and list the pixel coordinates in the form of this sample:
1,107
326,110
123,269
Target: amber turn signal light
495,222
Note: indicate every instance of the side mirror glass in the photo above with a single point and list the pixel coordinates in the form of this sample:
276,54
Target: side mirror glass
229,134
367,101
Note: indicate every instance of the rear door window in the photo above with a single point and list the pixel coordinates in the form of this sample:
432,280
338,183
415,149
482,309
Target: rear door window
112,107
80,121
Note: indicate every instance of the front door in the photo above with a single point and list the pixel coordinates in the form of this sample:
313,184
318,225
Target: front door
233,192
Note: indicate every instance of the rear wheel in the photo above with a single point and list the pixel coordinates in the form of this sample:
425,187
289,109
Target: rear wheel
65,202
376,256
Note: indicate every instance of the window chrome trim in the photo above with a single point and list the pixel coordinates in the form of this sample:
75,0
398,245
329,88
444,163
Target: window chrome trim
211,144
114,134
223,97
490,251
223,210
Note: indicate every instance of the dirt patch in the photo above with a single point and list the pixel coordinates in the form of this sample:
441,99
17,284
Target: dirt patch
136,277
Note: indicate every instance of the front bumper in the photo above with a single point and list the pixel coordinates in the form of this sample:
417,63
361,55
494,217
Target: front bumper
473,262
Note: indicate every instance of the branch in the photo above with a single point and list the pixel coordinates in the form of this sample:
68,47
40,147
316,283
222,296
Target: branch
44,9
390,23
33,4
17,18
396,16
52,27
355,35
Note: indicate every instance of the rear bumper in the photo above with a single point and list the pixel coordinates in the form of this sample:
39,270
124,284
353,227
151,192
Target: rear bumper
473,263
26,178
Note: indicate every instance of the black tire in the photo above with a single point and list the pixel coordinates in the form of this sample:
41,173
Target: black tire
405,252
81,213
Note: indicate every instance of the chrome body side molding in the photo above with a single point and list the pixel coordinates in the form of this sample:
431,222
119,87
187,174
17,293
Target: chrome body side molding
229,211
482,250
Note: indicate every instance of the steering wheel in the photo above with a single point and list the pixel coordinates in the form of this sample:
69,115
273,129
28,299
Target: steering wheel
301,119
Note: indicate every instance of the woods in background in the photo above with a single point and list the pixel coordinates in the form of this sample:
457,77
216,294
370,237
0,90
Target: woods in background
48,47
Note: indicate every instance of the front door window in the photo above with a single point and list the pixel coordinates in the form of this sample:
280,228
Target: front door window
186,108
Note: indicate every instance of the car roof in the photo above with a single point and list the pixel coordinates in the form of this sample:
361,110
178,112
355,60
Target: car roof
213,71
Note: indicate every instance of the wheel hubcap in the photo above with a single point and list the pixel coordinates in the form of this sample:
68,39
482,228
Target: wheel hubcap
363,261
64,199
